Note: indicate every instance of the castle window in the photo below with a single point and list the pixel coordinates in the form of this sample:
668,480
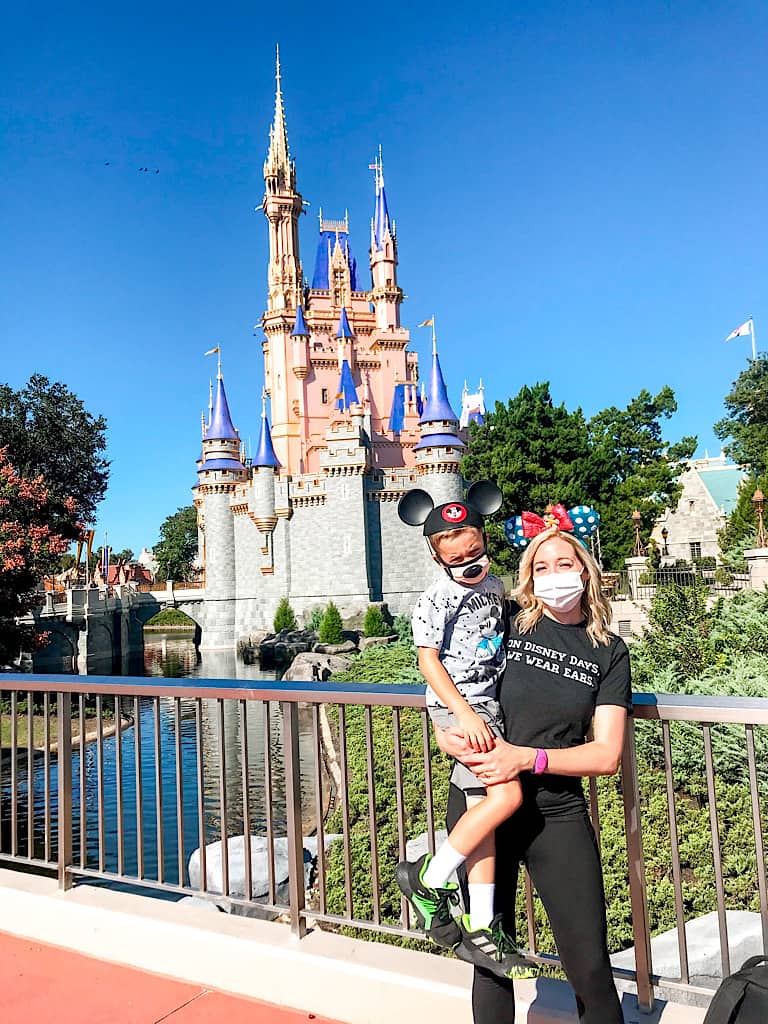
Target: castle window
695,547
691,506
324,396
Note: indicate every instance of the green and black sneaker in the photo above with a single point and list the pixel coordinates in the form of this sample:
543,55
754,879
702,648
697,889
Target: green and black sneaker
493,950
431,907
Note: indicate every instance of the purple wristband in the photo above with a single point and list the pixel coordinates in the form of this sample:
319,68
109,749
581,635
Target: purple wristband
541,762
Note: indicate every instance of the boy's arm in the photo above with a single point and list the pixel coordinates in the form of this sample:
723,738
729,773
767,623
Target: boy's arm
475,729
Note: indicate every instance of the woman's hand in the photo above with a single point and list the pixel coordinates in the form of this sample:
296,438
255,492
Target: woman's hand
502,764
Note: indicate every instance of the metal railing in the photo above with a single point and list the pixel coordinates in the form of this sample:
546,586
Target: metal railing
124,778
643,585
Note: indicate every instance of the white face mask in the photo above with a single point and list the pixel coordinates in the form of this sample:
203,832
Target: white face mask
560,591
469,572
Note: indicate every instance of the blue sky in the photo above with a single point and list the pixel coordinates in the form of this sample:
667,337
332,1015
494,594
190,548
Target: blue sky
579,190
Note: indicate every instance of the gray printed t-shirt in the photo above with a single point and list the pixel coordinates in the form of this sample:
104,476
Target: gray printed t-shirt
466,626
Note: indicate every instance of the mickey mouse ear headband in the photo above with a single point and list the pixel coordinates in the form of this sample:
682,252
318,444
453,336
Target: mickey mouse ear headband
581,521
416,507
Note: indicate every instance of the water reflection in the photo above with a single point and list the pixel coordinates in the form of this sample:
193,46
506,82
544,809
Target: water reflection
160,799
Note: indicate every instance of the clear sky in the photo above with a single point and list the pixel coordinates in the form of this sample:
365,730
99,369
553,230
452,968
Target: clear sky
579,191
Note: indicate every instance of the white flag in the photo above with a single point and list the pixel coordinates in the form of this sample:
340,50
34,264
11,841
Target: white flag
740,332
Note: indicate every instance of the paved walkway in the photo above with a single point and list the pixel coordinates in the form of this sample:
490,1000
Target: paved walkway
40,983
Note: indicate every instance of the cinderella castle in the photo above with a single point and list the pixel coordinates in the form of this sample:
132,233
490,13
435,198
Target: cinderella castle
312,515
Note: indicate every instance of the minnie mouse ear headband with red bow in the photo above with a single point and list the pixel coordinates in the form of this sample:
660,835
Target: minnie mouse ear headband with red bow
581,521
416,507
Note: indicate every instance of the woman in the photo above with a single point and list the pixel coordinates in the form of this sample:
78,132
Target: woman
565,673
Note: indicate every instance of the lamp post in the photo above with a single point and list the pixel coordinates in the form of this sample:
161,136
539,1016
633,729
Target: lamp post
639,549
758,501
664,535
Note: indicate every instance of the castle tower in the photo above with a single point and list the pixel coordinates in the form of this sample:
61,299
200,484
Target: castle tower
219,471
439,452
386,296
282,206
261,505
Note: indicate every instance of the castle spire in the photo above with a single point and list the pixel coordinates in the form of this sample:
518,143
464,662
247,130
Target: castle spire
279,166
437,408
221,426
265,452
381,222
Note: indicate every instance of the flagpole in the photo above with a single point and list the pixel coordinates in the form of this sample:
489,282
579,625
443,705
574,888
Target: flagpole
434,335
752,333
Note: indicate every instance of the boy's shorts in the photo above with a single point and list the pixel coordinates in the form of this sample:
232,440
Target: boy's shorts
490,712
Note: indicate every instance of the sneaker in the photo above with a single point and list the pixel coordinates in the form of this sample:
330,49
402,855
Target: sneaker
492,949
431,907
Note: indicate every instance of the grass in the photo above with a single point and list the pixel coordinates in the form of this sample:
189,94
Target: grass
38,729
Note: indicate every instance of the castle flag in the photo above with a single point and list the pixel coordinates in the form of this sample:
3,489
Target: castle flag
428,323
211,351
740,332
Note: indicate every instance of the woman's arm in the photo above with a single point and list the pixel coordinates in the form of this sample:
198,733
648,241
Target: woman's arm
599,756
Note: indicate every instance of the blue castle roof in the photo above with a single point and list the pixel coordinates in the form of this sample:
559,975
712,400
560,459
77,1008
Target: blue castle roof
300,329
437,406
265,452
344,330
347,392
221,427
439,441
381,220
397,412
325,247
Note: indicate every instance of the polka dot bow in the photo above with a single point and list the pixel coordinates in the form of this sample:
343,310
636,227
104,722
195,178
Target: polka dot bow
581,521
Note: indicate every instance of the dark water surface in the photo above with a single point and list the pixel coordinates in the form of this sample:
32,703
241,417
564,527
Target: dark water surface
223,781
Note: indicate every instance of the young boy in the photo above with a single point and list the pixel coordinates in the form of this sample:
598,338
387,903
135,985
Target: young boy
458,628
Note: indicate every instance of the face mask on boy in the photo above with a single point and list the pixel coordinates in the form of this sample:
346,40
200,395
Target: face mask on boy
471,571
560,591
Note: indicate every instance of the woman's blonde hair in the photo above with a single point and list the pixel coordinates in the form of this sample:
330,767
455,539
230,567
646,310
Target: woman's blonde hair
594,604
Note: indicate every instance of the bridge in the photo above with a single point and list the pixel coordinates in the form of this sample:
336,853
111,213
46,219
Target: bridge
92,629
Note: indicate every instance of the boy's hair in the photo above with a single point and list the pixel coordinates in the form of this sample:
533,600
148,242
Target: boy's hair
436,538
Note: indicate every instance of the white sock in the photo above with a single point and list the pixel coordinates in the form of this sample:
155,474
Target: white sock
480,905
442,866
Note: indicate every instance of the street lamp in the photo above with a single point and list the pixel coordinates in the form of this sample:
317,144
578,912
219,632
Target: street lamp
639,550
758,500
664,535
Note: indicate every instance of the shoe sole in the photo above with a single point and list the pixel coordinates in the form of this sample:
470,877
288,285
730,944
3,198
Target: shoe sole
525,969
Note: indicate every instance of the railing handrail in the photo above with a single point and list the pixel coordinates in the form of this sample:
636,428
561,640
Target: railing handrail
670,707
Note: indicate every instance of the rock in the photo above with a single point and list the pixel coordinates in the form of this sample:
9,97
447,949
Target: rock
375,641
347,647
315,668
259,870
282,648
198,903
745,939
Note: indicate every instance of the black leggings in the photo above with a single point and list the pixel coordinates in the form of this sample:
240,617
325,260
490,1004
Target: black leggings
563,861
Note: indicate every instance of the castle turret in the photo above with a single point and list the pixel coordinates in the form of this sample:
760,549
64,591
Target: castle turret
261,506
439,452
283,205
219,472
386,295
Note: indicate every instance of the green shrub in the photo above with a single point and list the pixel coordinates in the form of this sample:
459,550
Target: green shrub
723,576
373,623
171,617
284,616
331,626
315,618
402,626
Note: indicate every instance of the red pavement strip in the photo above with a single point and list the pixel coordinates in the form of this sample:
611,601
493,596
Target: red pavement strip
40,983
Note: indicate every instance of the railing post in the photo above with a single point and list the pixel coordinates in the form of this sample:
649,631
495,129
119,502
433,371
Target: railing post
638,894
64,773
296,893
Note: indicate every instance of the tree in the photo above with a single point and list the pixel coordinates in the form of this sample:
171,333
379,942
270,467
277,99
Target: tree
539,453
536,452
746,422
48,431
284,616
740,531
634,467
373,623
177,548
35,530
331,628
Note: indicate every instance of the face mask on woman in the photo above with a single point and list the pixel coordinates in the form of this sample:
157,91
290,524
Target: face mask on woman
560,591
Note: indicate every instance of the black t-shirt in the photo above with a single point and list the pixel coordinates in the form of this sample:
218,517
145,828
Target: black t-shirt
554,680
